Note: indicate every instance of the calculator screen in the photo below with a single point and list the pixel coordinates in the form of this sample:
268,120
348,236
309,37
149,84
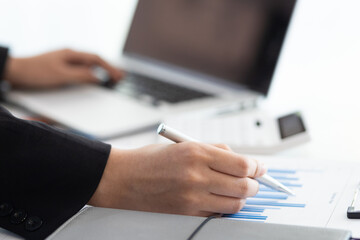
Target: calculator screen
291,125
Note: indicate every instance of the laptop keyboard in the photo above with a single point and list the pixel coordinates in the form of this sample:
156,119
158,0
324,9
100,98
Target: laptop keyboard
139,86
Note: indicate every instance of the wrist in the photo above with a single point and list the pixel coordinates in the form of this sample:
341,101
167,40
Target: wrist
110,188
12,69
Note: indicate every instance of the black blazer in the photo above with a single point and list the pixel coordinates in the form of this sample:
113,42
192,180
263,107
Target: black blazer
3,58
46,175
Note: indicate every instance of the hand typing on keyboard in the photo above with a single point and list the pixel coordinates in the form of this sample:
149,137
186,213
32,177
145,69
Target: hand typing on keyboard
57,68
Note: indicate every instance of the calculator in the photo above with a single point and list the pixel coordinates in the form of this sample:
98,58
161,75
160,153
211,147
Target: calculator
252,131
353,211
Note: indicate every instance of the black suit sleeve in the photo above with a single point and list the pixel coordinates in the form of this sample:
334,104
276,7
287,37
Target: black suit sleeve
46,175
3,58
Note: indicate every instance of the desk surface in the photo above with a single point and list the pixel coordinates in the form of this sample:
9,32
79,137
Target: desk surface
334,132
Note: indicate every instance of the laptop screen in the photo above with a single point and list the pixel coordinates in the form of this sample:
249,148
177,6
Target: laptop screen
235,40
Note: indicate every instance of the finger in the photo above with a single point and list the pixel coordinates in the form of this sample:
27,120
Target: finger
80,74
222,146
234,164
220,204
230,186
115,74
91,60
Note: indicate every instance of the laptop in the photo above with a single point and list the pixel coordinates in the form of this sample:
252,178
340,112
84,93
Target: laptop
179,56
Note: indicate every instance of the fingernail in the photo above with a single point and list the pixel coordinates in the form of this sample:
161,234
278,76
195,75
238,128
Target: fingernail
263,169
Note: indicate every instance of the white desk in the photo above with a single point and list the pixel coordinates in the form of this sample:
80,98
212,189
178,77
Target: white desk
334,132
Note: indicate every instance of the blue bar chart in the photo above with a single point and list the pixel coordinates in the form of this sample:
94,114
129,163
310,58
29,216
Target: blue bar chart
269,199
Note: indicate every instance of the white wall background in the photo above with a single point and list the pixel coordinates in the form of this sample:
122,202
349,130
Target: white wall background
30,27
319,71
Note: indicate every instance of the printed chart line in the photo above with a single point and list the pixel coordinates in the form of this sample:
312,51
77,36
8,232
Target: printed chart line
269,199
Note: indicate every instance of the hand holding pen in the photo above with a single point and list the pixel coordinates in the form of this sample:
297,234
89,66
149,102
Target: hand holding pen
185,178
178,137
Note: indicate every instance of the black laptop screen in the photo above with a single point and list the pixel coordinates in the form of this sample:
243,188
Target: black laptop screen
235,40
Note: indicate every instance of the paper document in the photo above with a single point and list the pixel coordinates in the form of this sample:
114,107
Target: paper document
323,193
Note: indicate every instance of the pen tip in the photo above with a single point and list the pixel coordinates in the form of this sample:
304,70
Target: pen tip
161,128
288,191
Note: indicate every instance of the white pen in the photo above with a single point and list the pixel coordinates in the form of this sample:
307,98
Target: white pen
176,136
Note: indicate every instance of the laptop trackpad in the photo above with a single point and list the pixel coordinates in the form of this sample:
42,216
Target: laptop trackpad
89,109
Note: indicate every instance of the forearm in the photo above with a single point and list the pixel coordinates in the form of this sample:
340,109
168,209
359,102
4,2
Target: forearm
109,186
55,69
13,71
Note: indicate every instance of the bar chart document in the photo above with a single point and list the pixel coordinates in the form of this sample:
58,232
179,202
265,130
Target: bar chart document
323,193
